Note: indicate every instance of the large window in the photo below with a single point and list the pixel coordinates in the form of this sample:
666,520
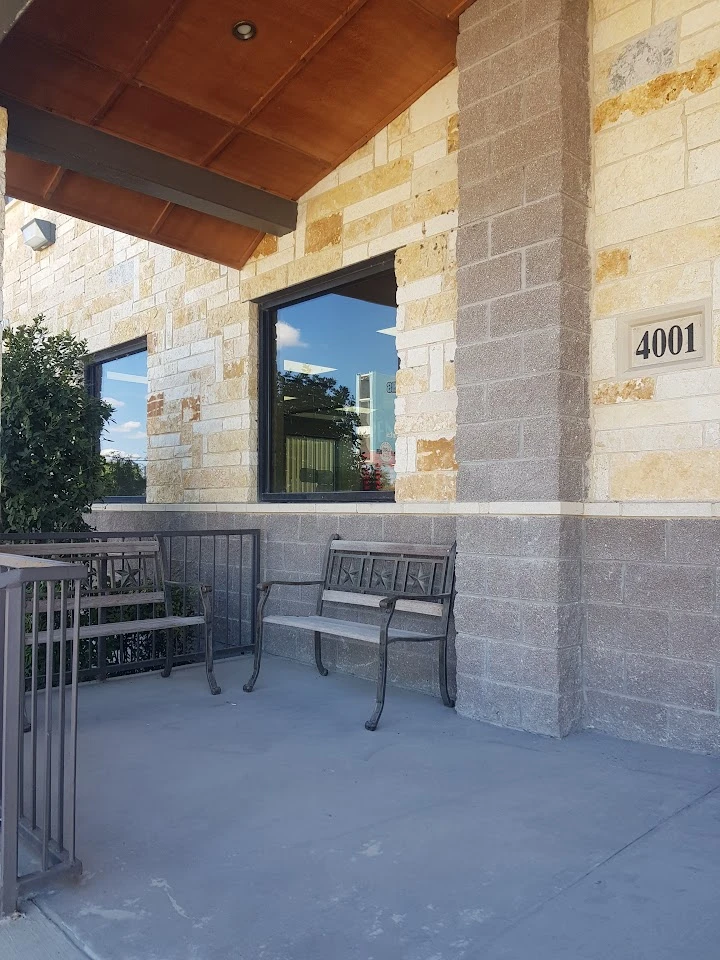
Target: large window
119,376
329,364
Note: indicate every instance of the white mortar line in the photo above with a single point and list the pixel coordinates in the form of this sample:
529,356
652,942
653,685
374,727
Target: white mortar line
549,508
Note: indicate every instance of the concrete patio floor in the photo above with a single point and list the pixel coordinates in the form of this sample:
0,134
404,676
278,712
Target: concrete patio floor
275,827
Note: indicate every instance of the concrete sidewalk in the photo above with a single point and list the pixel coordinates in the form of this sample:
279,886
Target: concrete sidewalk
273,826
32,936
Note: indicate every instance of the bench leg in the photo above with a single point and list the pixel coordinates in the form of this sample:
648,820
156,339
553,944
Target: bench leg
209,661
318,656
372,723
169,653
444,692
248,687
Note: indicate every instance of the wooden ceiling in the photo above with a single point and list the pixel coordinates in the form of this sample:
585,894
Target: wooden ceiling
277,112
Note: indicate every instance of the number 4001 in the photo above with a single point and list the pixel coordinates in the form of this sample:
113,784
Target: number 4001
676,340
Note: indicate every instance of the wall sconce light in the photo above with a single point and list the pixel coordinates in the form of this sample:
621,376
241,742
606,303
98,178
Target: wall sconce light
39,234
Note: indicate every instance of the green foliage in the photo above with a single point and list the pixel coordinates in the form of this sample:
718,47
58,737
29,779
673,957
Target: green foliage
51,470
122,477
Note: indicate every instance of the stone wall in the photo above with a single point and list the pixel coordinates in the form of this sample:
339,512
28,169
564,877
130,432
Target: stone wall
398,192
655,240
652,649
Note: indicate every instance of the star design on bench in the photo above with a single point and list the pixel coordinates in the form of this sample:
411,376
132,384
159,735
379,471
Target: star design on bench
383,576
422,579
350,571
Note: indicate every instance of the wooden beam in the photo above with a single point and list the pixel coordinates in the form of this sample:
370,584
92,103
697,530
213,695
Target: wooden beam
45,136
10,11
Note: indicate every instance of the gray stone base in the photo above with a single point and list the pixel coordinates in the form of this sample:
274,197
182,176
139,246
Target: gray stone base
562,623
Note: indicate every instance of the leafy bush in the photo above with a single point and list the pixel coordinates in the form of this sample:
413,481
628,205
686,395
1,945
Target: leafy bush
122,477
51,470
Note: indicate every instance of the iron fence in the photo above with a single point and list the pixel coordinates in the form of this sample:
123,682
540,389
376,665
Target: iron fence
228,561
38,772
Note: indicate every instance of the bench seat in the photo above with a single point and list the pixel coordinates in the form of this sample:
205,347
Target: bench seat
348,629
120,627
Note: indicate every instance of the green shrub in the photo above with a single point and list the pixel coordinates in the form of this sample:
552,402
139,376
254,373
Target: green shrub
51,470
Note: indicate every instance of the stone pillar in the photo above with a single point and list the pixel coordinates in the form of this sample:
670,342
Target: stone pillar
522,358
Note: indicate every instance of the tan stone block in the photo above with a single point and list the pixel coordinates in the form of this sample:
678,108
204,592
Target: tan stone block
423,138
703,126
639,136
673,285
200,272
695,241
255,287
622,25
639,178
411,380
315,265
437,103
427,258
186,434
422,424
692,205
426,206
399,127
704,164
367,228
323,233
226,390
227,441
376,181
435,309
234,368
612,264
700,44
190,408
666,475
449,379
155,405
425,487
436,454
639,388
453,133
434,174
267,247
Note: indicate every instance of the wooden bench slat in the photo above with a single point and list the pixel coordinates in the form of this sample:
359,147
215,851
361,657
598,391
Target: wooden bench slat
428,608
117,548
395,549
104,602
129,626
346,628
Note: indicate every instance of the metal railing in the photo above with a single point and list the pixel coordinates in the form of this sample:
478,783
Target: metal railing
227,560
38,772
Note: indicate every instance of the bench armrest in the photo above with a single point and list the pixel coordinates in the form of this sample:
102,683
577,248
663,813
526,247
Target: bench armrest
266,584
390,599
202,587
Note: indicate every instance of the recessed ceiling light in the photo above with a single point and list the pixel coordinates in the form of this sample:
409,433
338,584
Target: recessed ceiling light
244,30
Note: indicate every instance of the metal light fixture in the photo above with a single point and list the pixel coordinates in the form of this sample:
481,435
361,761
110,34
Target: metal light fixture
244,30
39,234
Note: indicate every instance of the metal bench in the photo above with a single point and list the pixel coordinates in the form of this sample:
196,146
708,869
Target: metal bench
122,574
387,577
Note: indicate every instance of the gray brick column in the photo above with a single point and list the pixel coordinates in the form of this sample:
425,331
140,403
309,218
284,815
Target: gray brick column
522,355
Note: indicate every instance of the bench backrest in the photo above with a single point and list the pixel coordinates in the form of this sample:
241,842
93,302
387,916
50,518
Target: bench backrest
120,571
362,573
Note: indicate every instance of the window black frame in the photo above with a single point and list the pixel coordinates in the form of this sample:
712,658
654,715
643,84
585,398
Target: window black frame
268,308
93,382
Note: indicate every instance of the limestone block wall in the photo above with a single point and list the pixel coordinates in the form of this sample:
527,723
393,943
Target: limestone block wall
399,192
655,241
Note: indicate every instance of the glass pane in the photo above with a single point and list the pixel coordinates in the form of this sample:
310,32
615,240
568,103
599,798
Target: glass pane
334,406
123,384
